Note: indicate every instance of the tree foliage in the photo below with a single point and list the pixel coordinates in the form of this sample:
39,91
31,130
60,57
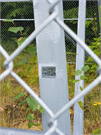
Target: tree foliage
24,10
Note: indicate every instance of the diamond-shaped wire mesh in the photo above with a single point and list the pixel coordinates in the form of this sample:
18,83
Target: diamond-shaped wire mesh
17,10
24,10
10,45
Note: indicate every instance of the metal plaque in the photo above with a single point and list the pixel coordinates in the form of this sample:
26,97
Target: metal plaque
48,72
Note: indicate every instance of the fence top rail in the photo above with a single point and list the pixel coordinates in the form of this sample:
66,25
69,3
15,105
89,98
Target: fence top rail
15,131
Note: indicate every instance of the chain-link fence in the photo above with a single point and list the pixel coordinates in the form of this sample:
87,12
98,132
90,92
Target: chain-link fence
22,13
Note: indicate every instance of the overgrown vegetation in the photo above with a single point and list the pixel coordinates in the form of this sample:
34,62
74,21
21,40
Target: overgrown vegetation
16,115
19,111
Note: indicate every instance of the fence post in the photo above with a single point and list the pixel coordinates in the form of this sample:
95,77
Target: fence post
78,112
52,65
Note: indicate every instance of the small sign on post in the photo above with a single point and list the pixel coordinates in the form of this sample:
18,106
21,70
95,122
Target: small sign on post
48,72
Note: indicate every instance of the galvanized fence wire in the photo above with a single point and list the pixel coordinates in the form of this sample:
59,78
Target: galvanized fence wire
25,19
71,20
8,66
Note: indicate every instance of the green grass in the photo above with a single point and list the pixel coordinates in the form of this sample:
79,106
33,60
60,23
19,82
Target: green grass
91,113
11,88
